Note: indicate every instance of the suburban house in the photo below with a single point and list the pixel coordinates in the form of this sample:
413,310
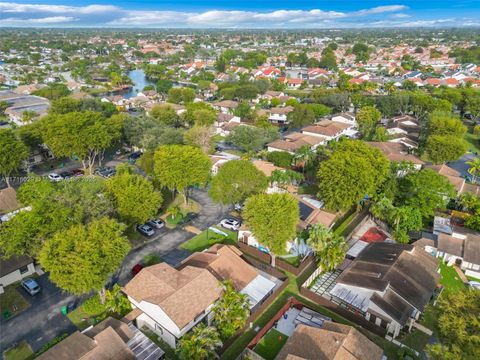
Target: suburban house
278,115
397,152
404,129
329,130
173,301
225,106
109,339
15,269
389,284
8,201
331,341
346,118
225,263
312,213
293,141
454,245
455,178
18,104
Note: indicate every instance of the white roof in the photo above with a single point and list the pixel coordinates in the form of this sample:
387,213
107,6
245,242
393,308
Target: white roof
357,248
257,289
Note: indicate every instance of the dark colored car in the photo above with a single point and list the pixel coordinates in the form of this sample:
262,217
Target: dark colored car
136,269
77,172
66,174
133,157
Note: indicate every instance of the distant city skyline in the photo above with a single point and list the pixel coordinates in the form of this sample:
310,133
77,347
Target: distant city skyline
267,14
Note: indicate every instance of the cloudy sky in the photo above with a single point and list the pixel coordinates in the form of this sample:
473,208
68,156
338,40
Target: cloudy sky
240,14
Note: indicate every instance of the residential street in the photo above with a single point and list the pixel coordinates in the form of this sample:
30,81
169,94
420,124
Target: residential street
43,321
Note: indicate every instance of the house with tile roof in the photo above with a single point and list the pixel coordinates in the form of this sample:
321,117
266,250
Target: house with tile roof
173,301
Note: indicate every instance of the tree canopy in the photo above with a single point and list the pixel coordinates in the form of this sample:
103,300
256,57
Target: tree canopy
273,219
12,155
235,181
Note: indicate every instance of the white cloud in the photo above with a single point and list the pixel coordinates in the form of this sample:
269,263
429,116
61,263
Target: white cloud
38,21
10,7
399,16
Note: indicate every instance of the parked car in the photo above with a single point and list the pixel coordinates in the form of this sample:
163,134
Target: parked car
238,207
77,172
230,224
136,269
66,174
156,223
133,157
187,218
145,230
54,177
31,286
105,172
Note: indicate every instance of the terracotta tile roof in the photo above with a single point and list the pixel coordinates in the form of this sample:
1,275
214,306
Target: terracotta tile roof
331,342
281,110
227,104
266,167
182,295
395,151
224,263
327,128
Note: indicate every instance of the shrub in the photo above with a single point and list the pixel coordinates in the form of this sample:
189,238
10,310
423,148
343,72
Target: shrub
93,306
280,158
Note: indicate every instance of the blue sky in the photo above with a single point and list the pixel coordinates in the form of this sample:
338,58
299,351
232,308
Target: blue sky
240,14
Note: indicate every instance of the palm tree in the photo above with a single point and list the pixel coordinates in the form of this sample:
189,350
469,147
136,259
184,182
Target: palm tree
334,254
318,237
474,168
381,209
303,157
231,311
200,344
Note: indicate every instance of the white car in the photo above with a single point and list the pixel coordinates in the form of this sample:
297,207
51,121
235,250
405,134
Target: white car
230,224
474,284
156,223
54,177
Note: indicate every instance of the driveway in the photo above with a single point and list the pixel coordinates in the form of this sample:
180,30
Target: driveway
43,321
461,166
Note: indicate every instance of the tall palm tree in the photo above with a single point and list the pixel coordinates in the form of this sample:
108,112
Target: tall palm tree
200,344
318,237
304,157
334,254
474,168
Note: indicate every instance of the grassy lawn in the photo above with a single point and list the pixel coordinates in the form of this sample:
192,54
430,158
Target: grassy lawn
342,224
208,238
449,278
81,319
271,344
415,339
12,301
20,352
151,259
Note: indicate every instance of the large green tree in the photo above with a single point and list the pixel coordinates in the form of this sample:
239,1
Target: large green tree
200,344
426,190
273,219
329,247
444,148
250,138
353,171
13,153
179,166
235,181
165,114
81,258
136,201
367,118
230,311
82,134
458,326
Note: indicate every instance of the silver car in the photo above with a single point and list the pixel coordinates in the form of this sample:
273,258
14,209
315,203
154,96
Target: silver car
156,223
31,286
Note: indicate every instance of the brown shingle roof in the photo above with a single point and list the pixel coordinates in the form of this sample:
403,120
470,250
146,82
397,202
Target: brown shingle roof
331,342
13,263
8,201
450,245
326,127
182,295
395,151
225,263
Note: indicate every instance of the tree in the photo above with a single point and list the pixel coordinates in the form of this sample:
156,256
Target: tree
200,113
425,190
3,107
474,168
283,178
165,114
367,118
458,326
273,219
64,105
441,123
200,136
200,344
82,257
179,95
250,138
136,201
300,116
304,157
230,311
280,158
404,219
328,60
178,167
147,133
82,134
12,155
444,148
235,181
353,171
163,85
329,248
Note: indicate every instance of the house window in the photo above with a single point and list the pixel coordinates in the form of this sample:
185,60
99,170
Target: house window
23,269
